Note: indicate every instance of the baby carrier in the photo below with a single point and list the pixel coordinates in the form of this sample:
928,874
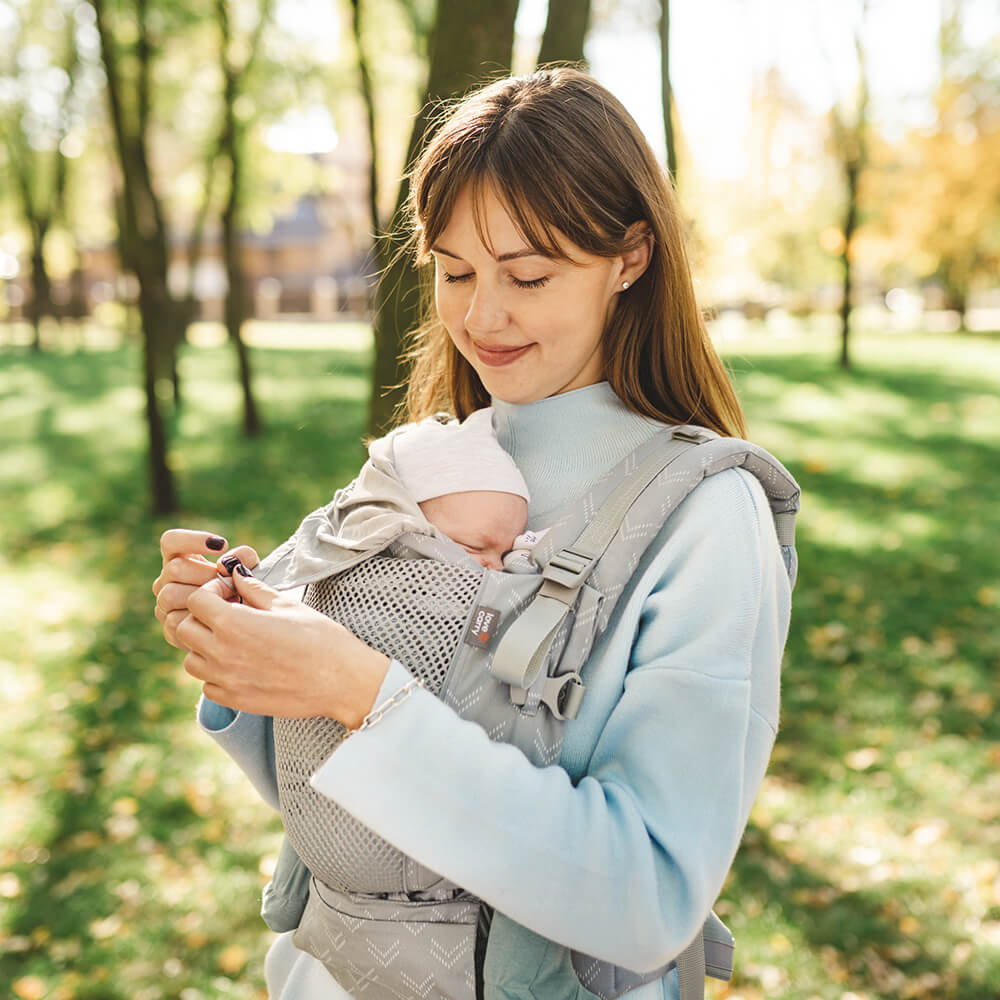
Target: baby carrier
505,650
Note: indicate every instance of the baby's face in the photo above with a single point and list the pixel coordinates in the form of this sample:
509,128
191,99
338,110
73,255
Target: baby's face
483,522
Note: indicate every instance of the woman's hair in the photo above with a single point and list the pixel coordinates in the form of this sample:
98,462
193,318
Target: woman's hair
567,160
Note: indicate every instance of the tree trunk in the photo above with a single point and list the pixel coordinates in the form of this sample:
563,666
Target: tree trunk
368,97
565,32
143,247
850,224
41,290
468,43
666,90
236,291
154,303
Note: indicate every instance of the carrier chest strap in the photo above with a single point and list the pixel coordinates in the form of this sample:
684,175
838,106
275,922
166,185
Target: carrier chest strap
523,648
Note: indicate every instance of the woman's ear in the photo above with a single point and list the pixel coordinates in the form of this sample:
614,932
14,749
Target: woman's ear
636,259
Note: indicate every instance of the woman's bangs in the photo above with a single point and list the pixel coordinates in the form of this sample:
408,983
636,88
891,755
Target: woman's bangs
535,216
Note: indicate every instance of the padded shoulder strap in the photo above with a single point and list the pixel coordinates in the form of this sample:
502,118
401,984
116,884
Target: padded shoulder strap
521,652
615,538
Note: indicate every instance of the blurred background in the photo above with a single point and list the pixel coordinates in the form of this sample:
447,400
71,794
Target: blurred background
196,201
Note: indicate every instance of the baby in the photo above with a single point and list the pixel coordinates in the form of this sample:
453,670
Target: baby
459,477
467,486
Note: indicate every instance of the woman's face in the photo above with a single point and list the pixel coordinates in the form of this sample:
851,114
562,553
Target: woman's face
529,325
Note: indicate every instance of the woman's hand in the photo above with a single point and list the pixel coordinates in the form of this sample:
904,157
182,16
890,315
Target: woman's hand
185,569
273,655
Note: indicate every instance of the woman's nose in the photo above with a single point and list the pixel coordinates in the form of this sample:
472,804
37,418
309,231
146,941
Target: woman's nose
486,313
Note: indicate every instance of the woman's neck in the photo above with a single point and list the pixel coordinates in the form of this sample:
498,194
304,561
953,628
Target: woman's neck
564,443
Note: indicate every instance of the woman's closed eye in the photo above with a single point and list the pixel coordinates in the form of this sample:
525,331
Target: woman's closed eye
533,283
452,279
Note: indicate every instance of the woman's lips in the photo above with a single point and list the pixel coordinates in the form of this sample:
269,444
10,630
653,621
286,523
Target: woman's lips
497,357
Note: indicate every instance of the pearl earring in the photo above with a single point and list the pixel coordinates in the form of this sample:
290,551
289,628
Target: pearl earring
624,286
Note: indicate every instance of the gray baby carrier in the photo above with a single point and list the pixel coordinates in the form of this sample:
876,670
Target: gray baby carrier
509,652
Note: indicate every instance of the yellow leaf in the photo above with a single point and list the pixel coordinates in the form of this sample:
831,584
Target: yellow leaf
30,988
232,959
909,924
105,928
126,806
986,596
780,944
861,760
10,886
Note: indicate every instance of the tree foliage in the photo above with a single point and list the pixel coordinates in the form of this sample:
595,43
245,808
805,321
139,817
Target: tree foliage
42,81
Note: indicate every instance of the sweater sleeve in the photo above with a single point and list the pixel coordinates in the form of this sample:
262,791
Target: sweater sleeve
625,864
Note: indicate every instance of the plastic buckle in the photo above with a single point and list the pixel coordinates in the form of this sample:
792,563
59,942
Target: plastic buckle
692,437
563,695
569,568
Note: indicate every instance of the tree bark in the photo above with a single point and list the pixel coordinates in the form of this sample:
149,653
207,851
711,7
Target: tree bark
232,146
368,97
468,43
143,245
41,287
850,224
853,142
565,32
666,89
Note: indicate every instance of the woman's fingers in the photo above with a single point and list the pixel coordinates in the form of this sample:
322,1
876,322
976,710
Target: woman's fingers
192,635
181,541
171,621
246,555
190,570
174,597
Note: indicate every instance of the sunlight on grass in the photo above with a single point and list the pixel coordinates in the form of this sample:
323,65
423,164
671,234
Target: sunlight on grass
132,852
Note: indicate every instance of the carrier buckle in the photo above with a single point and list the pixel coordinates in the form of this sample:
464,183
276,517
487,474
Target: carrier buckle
692,437
569,568
563,695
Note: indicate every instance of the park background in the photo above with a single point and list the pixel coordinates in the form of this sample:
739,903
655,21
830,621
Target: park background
190,332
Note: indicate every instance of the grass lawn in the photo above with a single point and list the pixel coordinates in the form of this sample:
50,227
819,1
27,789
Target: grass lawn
132,854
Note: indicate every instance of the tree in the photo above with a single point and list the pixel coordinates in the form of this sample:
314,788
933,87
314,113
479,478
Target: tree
367,89
142,226
666,90
34,126
948,224
237,60
850,140
468,41
565,32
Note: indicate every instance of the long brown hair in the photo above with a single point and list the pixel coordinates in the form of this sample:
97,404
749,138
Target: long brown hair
567,159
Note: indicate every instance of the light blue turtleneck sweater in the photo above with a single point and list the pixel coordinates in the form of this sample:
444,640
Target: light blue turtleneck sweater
620,851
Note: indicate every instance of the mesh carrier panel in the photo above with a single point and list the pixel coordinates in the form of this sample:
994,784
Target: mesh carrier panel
413,610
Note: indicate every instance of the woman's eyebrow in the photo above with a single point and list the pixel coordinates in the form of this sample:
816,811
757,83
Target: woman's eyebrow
513,255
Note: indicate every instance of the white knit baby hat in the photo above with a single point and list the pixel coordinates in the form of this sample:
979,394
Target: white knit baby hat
434,458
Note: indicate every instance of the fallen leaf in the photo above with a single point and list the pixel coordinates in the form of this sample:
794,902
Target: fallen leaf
30,988
232,959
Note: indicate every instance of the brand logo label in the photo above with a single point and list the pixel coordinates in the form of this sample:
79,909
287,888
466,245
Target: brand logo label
483,627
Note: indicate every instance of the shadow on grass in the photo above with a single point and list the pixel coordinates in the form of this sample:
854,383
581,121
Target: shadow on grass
893,640
860,933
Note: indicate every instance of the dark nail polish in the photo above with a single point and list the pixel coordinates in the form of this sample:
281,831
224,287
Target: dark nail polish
215,543
230,562
242,570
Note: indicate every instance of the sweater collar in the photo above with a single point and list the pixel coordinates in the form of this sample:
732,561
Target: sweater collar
564,443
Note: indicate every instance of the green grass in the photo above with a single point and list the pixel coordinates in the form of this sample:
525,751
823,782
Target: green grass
132,854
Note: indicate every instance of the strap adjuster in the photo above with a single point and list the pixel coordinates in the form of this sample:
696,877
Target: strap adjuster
692,437
569,567
563,695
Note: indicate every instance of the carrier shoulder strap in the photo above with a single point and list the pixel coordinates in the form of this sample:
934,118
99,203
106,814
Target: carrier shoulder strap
678,462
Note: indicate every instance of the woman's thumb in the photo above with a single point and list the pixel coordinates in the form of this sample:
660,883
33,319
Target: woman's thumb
254,592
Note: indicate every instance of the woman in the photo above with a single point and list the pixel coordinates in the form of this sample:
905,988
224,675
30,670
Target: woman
563,297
